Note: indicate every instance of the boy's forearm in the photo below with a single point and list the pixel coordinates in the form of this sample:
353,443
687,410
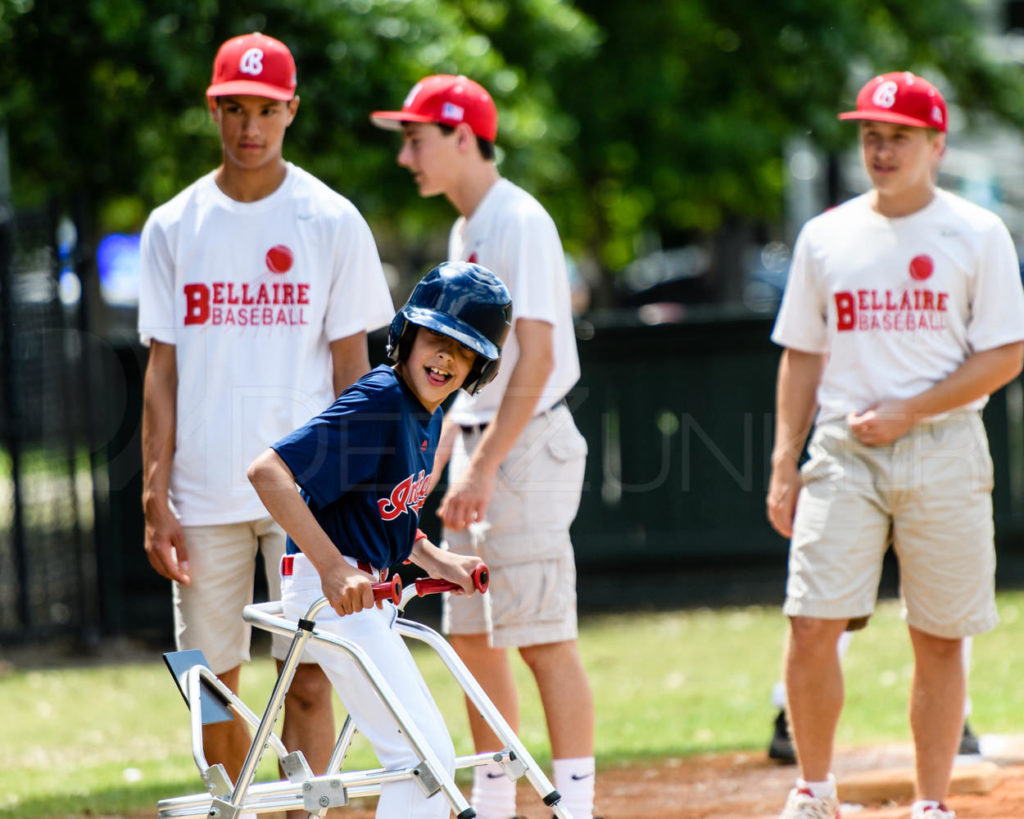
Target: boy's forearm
795,404
349,361
981,374
275,485
519,403
427,556
422,552
158,426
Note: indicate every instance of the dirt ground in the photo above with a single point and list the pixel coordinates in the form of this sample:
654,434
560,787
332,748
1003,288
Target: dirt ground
750,786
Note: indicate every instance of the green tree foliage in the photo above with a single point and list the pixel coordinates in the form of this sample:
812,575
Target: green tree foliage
684,111
105,98
660,117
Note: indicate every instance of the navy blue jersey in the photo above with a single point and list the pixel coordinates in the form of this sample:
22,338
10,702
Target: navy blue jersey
363,466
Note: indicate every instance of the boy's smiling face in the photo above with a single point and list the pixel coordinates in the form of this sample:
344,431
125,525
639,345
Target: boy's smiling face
436,366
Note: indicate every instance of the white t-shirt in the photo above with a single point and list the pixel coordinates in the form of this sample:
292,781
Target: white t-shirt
899,304
512,235
251,294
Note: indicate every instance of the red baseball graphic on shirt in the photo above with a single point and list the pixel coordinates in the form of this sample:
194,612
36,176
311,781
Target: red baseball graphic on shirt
921,267
279,259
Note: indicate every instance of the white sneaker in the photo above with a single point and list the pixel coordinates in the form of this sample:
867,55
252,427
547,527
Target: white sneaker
802,804
941,812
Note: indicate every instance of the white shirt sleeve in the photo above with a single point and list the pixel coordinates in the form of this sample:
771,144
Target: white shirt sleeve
997,298
156,286
359,298
802,321
539,270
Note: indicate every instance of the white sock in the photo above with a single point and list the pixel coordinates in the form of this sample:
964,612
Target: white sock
779,695
924,804
965,652
819,790
494,794
843,643
574,779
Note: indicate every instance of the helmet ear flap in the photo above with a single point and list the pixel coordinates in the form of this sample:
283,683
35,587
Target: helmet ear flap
481,374
399,337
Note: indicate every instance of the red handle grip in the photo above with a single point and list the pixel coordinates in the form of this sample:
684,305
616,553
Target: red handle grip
434,585
389,590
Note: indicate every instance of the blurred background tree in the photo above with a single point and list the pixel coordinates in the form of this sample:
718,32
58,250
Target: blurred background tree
658,130
684,111
642,125
105,98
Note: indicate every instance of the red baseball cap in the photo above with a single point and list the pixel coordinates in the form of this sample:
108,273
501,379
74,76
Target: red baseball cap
253,64
902,98
446,99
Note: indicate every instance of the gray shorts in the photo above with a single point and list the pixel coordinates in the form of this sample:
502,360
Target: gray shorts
525,538
929,494
208,613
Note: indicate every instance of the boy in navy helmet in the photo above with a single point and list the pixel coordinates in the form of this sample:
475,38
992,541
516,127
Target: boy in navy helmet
517,458
363,467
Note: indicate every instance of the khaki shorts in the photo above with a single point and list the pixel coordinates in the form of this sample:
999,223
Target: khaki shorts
929,494
525,538
208,613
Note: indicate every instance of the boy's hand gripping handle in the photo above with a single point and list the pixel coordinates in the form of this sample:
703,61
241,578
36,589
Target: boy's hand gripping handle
433,585
389,590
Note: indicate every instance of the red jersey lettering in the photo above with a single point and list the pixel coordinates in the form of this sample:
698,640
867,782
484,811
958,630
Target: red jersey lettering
197,304
846,314
890,310
407,496
215,303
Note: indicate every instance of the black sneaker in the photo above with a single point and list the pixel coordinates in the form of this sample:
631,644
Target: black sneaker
781,747
969,745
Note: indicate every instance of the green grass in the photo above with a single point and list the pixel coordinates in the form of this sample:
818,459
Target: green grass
114,740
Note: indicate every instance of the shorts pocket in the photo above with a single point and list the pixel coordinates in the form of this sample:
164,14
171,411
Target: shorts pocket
529,593
566,446
986,471
822,451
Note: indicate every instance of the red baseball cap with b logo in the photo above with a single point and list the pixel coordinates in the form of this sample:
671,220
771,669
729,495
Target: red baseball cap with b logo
445,99
253,64
901,98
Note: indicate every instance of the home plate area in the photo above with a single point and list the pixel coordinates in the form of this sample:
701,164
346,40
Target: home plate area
875,782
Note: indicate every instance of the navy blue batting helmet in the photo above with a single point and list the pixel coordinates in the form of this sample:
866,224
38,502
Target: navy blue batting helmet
463,301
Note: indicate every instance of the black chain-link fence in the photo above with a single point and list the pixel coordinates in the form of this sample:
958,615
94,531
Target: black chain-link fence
47,564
